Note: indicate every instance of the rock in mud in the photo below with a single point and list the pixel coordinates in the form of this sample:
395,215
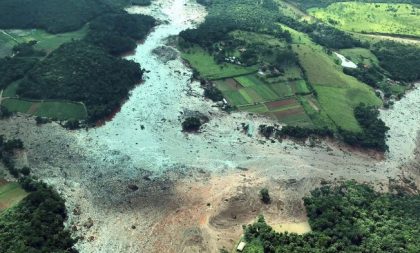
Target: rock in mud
165,53
133,187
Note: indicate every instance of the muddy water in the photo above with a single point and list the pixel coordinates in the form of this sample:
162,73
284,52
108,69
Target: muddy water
404,123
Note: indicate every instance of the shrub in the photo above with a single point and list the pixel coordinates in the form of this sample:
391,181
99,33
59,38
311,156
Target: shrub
265,196
191,124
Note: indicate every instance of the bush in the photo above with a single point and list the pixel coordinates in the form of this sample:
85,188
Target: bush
191,124
265,196
213,93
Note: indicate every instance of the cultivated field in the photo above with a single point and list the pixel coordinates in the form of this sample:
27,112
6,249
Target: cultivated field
46,41
10,194
60,110
402,19
205,64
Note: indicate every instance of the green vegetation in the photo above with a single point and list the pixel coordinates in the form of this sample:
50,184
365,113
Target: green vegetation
401,61
207,67
10,195
54,16
191,124
36,223
59,110
374,129
400,19
118,33
12,69
7,151
72,73
299,81
45,41
306,4
347,218
110,28
360,56
265,196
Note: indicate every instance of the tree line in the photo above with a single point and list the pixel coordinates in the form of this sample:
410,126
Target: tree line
349,217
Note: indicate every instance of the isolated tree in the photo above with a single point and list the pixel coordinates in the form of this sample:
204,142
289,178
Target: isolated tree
265,196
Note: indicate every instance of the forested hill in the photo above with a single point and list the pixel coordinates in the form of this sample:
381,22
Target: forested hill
306,4
56,16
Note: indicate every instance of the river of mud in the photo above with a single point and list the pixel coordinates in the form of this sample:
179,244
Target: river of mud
138,184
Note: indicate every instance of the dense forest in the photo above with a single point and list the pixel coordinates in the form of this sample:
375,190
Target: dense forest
400,60
244,15
347,218
118,32
56,16
36,224
12,69
79,71
374,130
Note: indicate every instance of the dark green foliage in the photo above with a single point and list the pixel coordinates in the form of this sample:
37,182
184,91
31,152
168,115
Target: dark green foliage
400,60
371,75
374,129
41,120
72,124
266,131
213,93
36,223
331,37
302,132
191,124
7,151
12,69
118,32
4,112
348,218
265,196
54,16
26,49
25,171
322,34
78,71
306,4
226,16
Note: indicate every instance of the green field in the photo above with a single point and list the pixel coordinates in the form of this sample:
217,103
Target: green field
60,110
10,194
257,38
205,64
402,19
319,67
360,55
46,41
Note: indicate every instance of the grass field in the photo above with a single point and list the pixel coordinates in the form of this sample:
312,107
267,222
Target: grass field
401,19
257,38
10,194
360,55
204,63
319,67
51,109
46,41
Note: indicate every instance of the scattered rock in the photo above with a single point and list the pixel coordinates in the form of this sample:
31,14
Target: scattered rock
165,53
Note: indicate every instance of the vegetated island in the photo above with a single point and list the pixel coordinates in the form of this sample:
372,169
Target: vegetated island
279,62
